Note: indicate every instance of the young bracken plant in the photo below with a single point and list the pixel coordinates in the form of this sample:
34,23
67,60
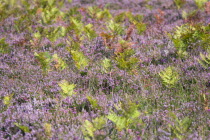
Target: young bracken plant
205,60
169,77
67,68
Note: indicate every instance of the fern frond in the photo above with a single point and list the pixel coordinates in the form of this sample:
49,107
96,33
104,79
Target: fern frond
22,127
7,99
115,28
179,3
187,38
125,60
4,47
105,14
127,115
90,33
88,128
67,89
50,14
200,3
205,60
120,17
106,65
54,33
119,121
80,60
169,77
76,26
60,64
93,102
48,129
44,59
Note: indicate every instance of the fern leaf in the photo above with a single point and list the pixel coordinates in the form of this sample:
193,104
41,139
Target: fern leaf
115,28
99,122
22,127
200,3
48,129
80,59
93,102
44,59
88,29
76,25
169,77
4,47
67,89
60,64
120,122
106,65
88,128
7,99
204,60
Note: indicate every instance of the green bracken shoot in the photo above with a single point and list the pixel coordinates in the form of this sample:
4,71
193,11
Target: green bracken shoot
89,128
205,60
169,77
67,89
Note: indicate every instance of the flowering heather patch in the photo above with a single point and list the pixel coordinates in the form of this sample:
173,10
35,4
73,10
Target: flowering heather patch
96,69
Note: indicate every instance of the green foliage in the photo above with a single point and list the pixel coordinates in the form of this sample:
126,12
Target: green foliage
115,28
205,60
67,89
54,33
106,65
60,64
93,10
128,15
126,117
7,99
37,35
89,128
90,33
186,15
140,27
72,12
80,60
4,47
134,18
48,129
179,128
96,13
169,77
103,14
8,7
76,26
179,3
126,61
200,3
187,38
120,17
44,59
25,129
51,33
93,102
49,15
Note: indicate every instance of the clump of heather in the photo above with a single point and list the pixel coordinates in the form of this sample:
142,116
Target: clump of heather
87,69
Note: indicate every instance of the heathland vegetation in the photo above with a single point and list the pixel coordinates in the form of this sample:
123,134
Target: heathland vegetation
103,69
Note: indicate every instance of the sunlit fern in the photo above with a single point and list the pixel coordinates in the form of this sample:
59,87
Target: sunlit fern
80,60
67,89
169,77
90,127
127,115
44,59
205,60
